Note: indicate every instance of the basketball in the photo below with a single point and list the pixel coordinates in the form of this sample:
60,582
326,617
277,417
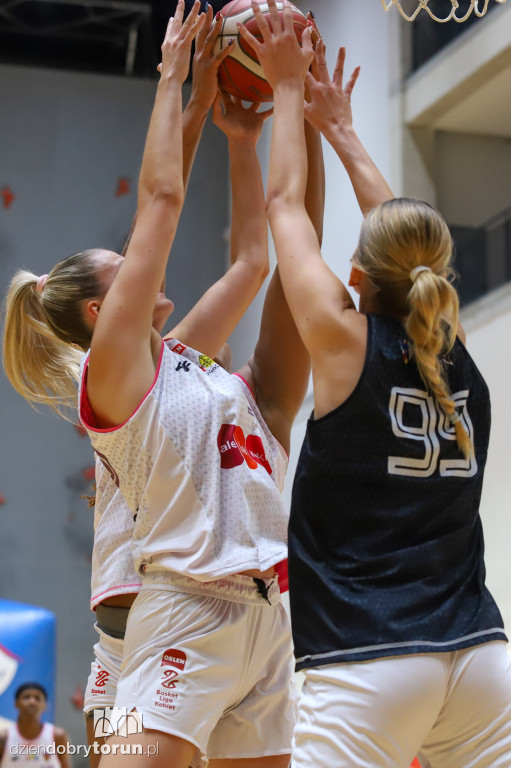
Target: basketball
240,73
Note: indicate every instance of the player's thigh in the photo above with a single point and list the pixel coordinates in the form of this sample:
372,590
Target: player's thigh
94,752
149,749
368,713
474,727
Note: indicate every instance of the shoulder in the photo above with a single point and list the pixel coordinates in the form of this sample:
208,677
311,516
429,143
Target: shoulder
59,735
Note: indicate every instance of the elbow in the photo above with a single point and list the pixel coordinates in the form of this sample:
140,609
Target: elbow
276,202
171,196
264,272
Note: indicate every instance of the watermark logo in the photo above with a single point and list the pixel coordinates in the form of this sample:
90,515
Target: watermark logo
116,720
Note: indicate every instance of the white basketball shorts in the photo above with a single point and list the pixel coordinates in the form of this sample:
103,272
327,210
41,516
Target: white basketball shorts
212,663
452,709
104,672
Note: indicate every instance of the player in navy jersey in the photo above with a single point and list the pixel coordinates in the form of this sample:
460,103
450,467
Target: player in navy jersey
402,646
199,455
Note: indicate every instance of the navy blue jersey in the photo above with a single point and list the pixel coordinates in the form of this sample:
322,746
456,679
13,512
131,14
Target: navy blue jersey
385,539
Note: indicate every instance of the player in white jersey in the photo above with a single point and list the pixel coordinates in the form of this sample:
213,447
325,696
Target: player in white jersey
29,741
114,581
208,661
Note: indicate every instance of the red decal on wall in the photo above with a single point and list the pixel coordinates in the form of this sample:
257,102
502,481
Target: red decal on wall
76,698
89,472
123,187
7,197
80,429
2,499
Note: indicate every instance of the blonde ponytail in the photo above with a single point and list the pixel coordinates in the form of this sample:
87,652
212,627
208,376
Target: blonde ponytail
431,326
45,334
406,249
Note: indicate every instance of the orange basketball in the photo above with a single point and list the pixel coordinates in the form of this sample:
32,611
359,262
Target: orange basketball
240,73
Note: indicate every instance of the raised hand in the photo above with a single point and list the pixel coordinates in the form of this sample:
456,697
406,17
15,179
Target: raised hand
236,121
177,44
206,63
328,106
280,53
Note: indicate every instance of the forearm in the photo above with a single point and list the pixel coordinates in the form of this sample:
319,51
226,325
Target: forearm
287,178
194,119
315,188
162,163
369,186
249,228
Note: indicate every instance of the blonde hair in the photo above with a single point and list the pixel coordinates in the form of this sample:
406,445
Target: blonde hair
45,333
406,251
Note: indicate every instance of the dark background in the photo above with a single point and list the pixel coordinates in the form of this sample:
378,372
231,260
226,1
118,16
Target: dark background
105,36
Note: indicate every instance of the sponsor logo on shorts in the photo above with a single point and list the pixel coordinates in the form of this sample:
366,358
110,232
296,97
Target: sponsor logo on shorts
234,449
102,678
173,661
174,658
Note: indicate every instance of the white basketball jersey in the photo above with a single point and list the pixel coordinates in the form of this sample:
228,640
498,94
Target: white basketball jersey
200,471
113,572
22,753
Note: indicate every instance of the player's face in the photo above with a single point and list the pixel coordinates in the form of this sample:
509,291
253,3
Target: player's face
31,702
108,267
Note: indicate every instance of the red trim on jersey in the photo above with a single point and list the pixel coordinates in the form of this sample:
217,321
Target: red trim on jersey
87,415
245,382
282,571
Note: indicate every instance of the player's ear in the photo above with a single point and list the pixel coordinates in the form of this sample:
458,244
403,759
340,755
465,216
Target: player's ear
356,277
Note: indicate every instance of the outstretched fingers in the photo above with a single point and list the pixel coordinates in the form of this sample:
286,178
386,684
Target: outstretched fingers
352,82
307,45
249,38
338,75
319,65
206,37
276,23
194,23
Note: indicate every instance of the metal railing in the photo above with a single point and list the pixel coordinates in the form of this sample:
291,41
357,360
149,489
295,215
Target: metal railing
429,37
483,257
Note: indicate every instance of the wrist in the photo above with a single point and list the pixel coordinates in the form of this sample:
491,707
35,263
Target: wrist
198,106
342,137
170,82
290,85
242,142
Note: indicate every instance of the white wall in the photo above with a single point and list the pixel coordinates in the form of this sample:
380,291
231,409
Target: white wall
488,327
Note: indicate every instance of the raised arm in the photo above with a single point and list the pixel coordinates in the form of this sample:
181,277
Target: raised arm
205,66
204,88
123,346
317,298
279,369
329,111
208,325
